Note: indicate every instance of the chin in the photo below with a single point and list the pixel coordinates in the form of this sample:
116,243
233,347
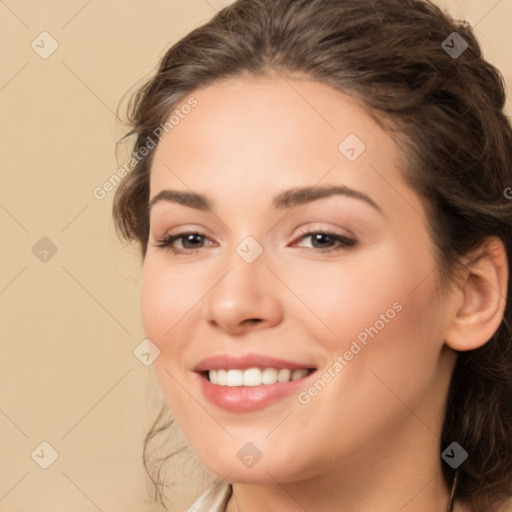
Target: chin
236,466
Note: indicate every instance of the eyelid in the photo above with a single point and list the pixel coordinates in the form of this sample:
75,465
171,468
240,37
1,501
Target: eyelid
345,242
183,229
321,227
165,241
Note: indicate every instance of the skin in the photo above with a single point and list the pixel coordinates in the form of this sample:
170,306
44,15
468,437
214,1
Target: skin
370,439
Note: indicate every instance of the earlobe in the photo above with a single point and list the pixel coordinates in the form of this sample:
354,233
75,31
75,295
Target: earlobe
481,298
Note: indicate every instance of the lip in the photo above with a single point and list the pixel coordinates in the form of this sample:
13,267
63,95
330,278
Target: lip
248,398
245,361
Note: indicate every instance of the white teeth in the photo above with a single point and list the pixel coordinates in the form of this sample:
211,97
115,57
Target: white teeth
299,374
234,378
269,376
254,376
284,375
221,377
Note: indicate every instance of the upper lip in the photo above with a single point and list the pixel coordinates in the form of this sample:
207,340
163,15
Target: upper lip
250,360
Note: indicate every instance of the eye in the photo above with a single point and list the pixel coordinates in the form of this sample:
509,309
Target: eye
327,241
192,241
187,237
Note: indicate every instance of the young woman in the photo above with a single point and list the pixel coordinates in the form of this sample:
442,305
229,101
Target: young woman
322,196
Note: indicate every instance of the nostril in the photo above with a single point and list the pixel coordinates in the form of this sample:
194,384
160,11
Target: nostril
253,320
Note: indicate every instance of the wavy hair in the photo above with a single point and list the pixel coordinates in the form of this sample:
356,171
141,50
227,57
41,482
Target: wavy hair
446,114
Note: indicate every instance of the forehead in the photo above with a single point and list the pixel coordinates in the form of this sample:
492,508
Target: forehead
274,110
258,133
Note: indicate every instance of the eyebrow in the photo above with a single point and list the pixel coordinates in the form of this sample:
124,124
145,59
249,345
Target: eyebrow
286,199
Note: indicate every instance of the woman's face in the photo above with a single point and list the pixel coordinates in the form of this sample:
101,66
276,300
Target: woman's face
340,282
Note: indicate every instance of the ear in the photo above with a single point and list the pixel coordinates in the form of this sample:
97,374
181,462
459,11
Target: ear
481,297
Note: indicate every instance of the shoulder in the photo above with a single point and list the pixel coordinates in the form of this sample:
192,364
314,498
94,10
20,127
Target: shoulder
214,499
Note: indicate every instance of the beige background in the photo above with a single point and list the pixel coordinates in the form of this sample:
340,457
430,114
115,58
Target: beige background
69,325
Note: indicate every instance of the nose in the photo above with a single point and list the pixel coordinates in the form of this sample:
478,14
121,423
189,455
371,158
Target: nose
245,298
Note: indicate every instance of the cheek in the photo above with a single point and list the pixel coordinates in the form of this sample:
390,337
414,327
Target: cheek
382,313
388,361
340,301
154,303
166,298
391,336
163,303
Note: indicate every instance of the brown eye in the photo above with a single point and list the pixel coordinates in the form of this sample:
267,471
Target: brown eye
190,241
326,241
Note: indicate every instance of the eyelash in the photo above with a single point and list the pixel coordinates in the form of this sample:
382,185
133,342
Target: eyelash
165,242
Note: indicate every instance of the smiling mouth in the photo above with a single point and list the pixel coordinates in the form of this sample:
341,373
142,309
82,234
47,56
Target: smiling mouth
252,377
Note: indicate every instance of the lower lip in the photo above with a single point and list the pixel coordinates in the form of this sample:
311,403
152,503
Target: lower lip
248,398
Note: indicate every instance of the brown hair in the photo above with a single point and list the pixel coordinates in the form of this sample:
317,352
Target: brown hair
445,112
